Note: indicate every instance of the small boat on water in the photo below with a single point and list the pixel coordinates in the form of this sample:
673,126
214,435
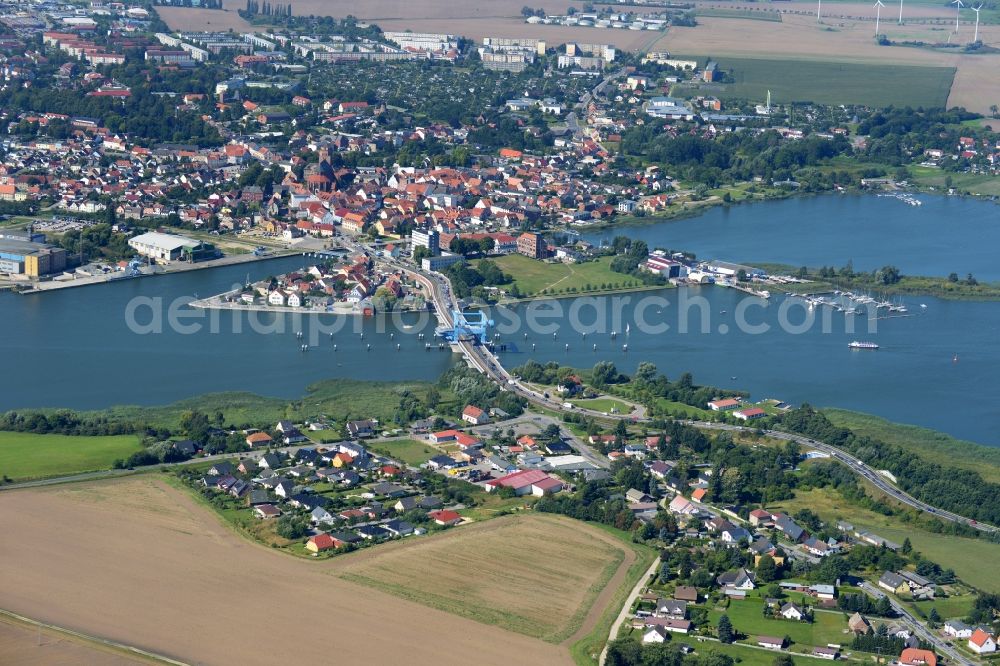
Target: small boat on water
862,345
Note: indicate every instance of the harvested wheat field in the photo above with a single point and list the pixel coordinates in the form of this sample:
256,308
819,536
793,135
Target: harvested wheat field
24,644
139,562
560,567
192,18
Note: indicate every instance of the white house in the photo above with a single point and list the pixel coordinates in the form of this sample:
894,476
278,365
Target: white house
957,629
655,634
474,415
792,611
982,643
276,297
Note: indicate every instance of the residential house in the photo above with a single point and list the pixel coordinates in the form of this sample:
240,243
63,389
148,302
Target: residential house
445,517
917,657
670,624
981,642
957,629
223,468
738,579
686,593
474,415
673,608
894,583
341,539
789,528
398,528
364,428
771,642
655,634
826,652
266,511
320,542
760,517
258,439
791,611
859,624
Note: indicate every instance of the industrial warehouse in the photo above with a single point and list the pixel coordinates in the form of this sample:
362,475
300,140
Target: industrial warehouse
30,258
168,247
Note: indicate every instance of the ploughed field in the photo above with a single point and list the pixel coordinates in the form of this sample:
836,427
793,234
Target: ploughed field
142,563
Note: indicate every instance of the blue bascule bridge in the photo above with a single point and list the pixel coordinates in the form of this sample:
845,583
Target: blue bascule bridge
466,327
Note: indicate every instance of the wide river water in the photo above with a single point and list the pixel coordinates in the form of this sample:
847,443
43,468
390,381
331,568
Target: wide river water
97,346
944,235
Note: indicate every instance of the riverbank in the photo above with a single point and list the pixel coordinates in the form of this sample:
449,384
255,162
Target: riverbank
148,271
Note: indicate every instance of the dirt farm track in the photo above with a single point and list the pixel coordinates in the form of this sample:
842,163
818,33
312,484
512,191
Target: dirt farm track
139,562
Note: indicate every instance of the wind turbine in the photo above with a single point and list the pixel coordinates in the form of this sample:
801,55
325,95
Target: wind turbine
958,11
976,9
819,9
878,14
900,12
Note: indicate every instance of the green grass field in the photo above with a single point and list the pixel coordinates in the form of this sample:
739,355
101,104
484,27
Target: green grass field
28,456
603,405
533,276
930,445
408,451
965,556
747,618
836,83
973,183
949,607
336,399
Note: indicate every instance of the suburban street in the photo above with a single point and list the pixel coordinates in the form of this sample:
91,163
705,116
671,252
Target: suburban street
919,629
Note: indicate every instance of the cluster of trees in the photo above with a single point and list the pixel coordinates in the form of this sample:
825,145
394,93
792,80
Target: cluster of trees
862,603
528,12
255,7
507,132
146,117
473,388
962,491
879,642
411,407
985,610
629,257
468,281
731,157
97,241
65,422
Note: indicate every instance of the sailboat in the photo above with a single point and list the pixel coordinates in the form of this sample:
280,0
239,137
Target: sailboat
954,359
628,328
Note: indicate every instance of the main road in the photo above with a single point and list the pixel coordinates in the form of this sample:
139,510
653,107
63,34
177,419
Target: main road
919,629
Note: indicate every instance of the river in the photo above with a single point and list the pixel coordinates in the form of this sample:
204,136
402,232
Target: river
75,348
944,235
